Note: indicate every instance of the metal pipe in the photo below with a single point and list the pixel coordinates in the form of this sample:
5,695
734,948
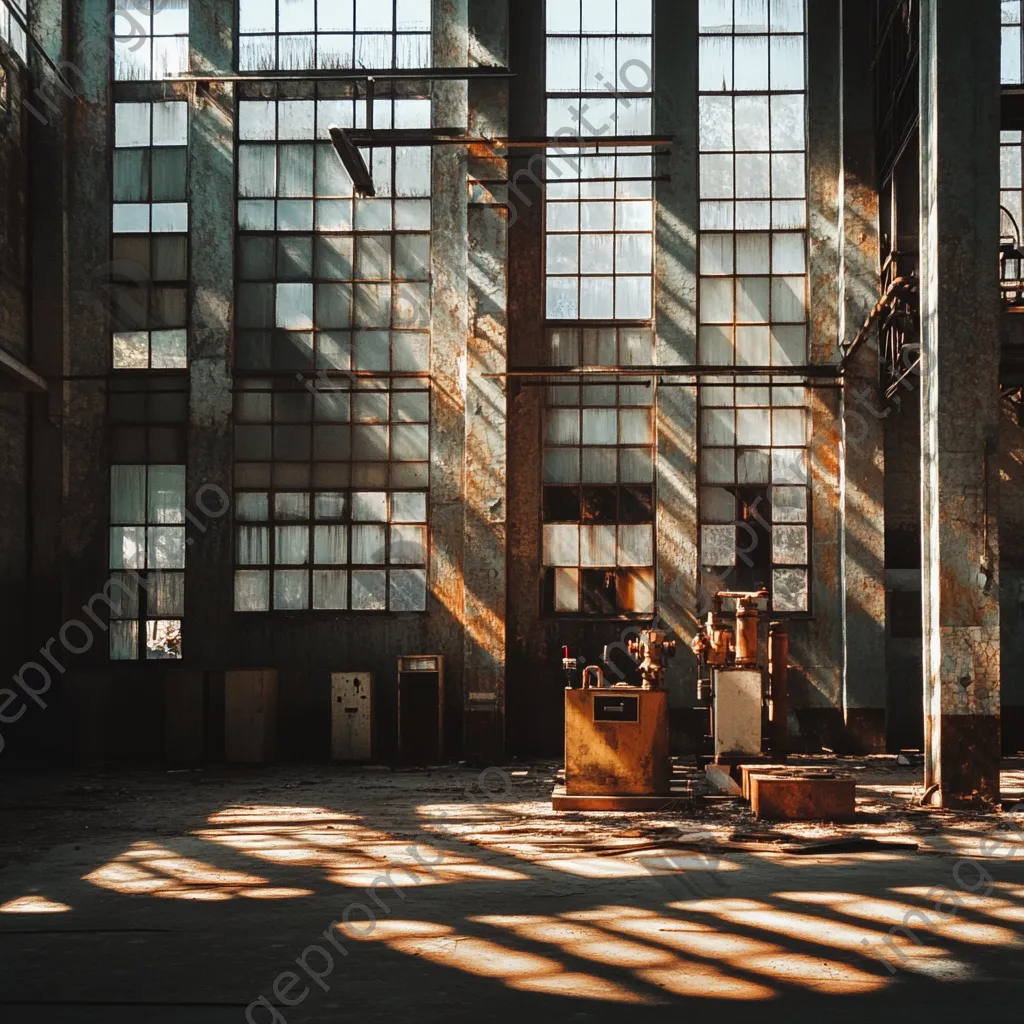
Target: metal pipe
352,75
778,682
747,618
823,371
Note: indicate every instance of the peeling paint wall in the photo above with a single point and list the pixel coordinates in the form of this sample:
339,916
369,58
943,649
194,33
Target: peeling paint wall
504,685
14,339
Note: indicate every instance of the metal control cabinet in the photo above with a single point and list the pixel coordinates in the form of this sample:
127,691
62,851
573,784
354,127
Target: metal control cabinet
616,742
351,716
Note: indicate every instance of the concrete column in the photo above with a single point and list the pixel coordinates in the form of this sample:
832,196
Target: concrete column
960,331
816,644
48,349
209,598
863,444
677,218
487,352
535,702
449,328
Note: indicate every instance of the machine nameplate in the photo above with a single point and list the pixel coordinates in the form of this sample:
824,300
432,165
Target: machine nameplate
616,709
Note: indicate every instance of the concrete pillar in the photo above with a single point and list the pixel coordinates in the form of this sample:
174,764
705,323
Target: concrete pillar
48,349
863,445
535,702
960,332
816,644
209,598
677,218
487,352
449,327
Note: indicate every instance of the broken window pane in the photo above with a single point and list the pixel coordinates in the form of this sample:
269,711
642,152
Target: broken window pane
369,590
789,590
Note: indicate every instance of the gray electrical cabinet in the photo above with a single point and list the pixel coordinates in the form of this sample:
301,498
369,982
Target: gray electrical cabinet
351,716
738,702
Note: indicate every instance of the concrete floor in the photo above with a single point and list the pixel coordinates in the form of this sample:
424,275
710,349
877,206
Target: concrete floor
181,897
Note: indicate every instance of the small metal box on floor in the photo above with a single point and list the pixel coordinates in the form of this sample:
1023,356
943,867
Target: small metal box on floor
616,742
421,709
351,716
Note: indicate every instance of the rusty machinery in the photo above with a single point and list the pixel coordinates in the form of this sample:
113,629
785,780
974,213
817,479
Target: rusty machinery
744,683
617,735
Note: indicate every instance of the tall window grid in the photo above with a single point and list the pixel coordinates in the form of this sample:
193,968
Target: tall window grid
147,535
598,478
296,35
1012,43
599,202
150,39
332,476
150,224
148,417
12,31
754,497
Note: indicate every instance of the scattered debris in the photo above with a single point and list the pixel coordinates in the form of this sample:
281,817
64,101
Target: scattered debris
721,782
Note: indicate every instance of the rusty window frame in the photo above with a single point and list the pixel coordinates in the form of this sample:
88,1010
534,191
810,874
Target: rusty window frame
623,188
311,477
132,285
417,322
135,20
13,19
407,369
150,412
1011,185
631,393
317,62
1012,43
746,393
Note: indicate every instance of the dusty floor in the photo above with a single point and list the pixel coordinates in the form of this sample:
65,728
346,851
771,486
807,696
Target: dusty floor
182,897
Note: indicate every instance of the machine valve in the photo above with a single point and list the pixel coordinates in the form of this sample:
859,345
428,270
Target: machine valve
651,649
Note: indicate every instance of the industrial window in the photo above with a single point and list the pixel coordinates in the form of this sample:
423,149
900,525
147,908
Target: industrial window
599,202
148,419
332,472
1010,188
297,35
147,535
323,276
361,551
1012,44
598,477
148,416
149,271
13,15
753,294
150,39
331,507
